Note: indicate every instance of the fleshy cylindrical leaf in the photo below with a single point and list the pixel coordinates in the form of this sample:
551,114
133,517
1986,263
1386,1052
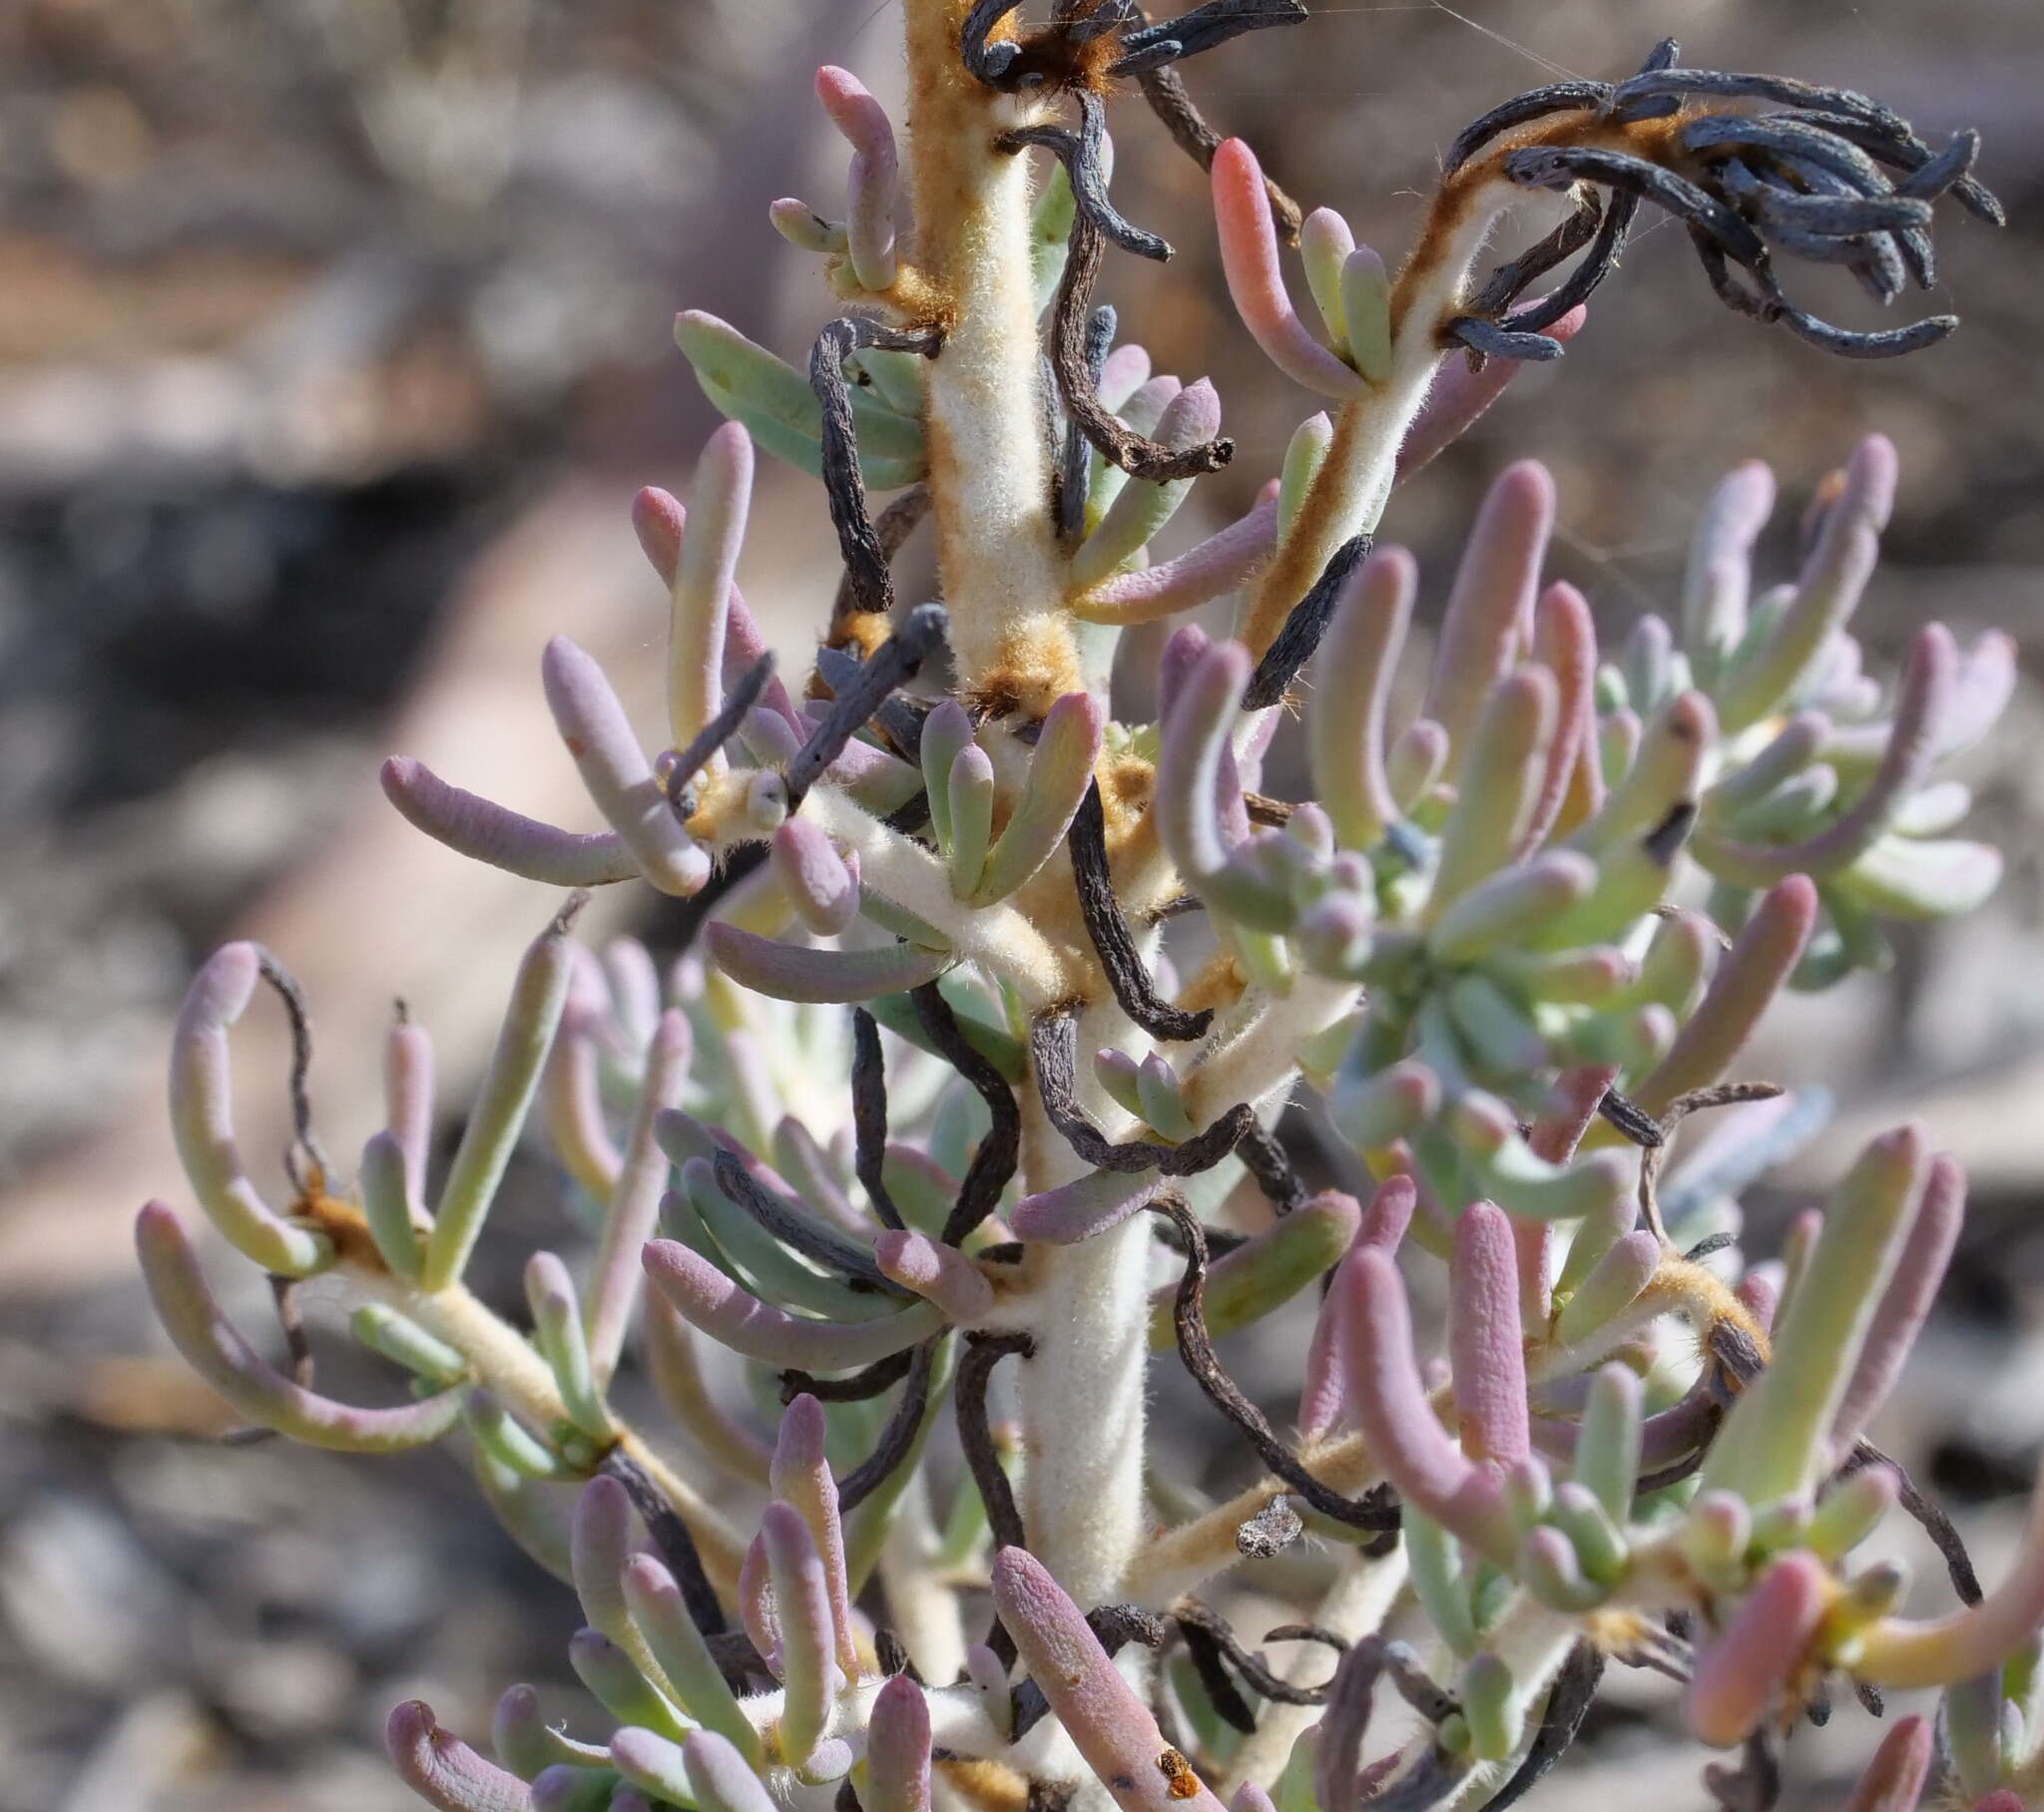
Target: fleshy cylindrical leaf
898,1749
1108,1723
201,1118
869,225
810,1674
1248,256
792,972
1484,1338
634,1206
216,1350
1059,771
702,587
1740,1671
614,768
1397,1422
938,1272
1489,616
536,997
800,1476
1353,679
738,1319
1775,1440
473,826
443,1771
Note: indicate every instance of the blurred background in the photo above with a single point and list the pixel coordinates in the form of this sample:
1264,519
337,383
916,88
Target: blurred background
333,339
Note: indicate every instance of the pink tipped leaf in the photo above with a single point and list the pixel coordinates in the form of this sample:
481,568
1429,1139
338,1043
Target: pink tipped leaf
614,768
702,589
940,1273
1107,1722
1485,1337
820,884
1748,977
203,1120
1565,642
1827,591
1323,1399
214,1347
1249,258
1488,622
1741,1670
810,1677
443,1771
898,1749
801,1476
1460,396
1397,1422
1210,569
1353,679
476,827
1906,1304
875,182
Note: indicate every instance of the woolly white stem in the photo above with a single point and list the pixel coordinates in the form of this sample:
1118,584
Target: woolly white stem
1003,576
1262,1056
925,1612
1082,1392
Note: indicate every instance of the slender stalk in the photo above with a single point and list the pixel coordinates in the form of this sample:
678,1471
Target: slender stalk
507,1366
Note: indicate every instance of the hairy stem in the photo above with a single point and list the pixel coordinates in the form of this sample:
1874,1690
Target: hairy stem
506,1365
1082,1391
1348,492
989,478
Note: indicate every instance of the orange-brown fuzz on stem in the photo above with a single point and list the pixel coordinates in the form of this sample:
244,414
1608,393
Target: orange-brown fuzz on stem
856,631
1038,664
1062,65
988,1786
1702,1299
341,1221
1126,785
1290,573
1217,983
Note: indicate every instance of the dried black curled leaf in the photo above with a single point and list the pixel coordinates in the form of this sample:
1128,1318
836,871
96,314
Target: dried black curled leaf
1201,29
1081,154
681,775
1300,638
1000,1151
799,1232
866,576
897,1443
1119,444
1804,181
869,1117
1374,1510
1113,942
1054,1057
896,659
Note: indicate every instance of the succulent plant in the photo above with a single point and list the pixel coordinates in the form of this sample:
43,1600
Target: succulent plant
1510,946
